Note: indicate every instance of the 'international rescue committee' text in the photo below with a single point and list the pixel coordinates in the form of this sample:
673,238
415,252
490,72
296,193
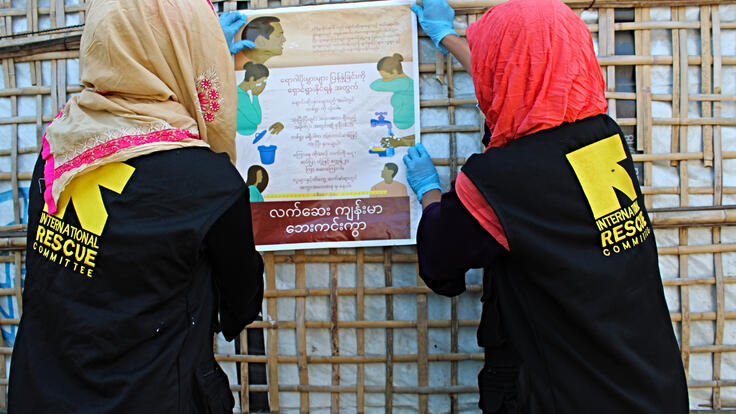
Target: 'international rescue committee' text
69,246
623,229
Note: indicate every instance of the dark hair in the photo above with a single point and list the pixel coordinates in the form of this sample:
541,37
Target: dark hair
391,64
393,167
252,177
254,71
260,26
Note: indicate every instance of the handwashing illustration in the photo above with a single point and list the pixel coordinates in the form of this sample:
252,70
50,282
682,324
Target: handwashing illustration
382,150
267,154
249,109
394,80
381,120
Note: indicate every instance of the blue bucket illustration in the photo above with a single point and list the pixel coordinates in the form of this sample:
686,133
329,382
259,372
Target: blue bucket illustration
268,153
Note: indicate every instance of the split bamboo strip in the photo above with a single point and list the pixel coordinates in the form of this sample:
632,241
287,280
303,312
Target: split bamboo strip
720,317
606,47
334,334
675,84
372,389
244,390
705,82
301,335
360,315
717,144
273,340
10,80
372,359
388,278
644,100
422,345
717,200
684,183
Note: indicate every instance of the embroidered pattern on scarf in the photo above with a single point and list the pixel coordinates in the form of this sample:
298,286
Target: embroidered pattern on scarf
109,147
98,140
208,92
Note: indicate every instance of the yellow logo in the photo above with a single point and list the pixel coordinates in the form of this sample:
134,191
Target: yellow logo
598,171
77,248
84,191
600,175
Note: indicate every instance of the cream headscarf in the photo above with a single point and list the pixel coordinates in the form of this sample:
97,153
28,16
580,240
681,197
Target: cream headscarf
157,75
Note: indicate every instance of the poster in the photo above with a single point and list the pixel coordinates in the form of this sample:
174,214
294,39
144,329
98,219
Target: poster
328,104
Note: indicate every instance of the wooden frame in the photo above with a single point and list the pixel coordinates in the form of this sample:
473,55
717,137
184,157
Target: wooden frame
46,54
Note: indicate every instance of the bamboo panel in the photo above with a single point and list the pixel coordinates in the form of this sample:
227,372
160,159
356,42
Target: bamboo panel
273,369
685,326
360,388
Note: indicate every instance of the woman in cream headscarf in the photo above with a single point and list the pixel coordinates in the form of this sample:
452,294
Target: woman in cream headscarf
136,222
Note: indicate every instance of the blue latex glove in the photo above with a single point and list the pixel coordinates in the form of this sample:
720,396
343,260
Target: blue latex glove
420,171
436,20
231,22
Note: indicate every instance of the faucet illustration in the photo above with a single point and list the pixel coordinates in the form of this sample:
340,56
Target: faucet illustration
382,121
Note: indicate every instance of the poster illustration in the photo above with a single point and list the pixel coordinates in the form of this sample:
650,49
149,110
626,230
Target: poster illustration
328,104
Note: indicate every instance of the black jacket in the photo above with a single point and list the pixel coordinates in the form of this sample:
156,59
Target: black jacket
124,287
579,293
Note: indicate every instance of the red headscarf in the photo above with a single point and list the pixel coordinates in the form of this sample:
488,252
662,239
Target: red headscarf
533,68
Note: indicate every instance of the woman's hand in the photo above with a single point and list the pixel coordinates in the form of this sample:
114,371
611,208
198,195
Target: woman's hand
435,17
420,171
231,22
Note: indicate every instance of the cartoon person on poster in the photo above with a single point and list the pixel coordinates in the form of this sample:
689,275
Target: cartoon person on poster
249,108
268,36
394,80
392,188
257,182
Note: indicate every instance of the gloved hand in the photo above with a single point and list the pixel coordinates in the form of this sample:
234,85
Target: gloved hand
436,20
420,171
231,22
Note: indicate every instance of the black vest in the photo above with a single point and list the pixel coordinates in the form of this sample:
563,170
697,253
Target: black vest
119,300
579,293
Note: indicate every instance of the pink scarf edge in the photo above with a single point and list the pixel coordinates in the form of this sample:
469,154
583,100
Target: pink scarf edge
51,173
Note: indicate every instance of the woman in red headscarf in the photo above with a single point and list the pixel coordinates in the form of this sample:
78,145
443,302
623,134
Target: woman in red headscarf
574,311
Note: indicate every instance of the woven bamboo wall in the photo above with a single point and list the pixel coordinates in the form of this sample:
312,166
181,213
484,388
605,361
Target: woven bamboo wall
355,330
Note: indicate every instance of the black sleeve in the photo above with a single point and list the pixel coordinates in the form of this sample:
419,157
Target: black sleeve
237,267
450,241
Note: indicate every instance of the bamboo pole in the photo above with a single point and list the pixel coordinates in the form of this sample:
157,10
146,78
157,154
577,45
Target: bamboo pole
334,334
388,278
360,315
273,340
301,334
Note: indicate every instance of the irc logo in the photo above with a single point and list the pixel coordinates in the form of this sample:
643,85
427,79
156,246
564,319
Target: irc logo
600,175
84,191
598,170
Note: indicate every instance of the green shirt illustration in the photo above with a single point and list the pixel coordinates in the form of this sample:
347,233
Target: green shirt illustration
254,195
249,113
402,100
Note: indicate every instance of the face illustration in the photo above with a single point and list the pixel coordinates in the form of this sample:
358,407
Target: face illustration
259,177
389,76
265,48
274,45
255,86
387,174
